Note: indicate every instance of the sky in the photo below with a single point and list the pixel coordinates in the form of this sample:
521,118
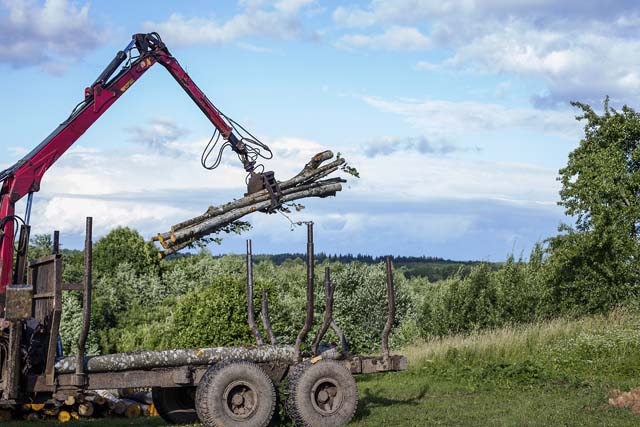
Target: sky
456,113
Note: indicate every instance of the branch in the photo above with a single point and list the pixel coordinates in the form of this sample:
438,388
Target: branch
311,181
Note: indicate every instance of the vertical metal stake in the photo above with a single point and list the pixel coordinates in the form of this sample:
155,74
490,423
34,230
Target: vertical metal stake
265,318
86,303
56,242
392,309
328,311
308,322
250,315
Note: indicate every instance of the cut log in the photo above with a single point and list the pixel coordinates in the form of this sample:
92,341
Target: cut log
36,407
139,396
70,400
133,409
309,182
96,399
85,409
116,405
152,411
64,416
52,411
172,358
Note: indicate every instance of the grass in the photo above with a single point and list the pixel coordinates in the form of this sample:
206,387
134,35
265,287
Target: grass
556,373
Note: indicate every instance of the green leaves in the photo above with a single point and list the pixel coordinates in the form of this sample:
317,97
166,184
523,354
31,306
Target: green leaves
593,267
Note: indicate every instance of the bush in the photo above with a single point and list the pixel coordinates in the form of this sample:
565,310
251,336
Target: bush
360,307
213,316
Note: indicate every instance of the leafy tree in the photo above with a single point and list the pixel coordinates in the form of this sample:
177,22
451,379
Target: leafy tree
360,306
123,245
40,245
214,316
594,265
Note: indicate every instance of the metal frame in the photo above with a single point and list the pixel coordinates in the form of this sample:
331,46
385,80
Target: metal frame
46,278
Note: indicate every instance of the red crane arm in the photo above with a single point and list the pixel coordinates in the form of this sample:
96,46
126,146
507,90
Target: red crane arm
25,176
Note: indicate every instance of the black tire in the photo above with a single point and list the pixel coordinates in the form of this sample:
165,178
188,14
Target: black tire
321,394
175,405
235,394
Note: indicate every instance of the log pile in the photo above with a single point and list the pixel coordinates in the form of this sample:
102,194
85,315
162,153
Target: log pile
311,181
95,404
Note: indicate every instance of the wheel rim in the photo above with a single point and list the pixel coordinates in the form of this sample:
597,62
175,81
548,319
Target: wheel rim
326,396
240,400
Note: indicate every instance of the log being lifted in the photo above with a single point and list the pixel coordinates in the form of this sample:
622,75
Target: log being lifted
171,358
309,182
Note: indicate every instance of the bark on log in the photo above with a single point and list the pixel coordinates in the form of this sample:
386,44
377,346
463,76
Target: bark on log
116,405
172,358
137,396
309,182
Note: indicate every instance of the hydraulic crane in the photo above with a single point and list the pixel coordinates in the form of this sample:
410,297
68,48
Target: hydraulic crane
24,178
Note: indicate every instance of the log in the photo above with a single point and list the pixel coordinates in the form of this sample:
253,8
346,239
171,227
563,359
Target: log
85,409
173,358
309,182
152,411
133,409
36,407
116,405
138,396
70,400
64,416
96,399
51,412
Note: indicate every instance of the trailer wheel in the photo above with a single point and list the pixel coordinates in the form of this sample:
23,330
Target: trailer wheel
235,394
321,394
176,405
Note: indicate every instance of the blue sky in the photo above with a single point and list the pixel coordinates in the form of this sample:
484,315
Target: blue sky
456,113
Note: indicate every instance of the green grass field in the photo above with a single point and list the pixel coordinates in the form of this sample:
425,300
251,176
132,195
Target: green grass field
550,374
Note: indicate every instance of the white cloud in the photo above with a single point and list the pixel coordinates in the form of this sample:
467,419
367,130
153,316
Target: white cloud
278,20
579,49
159,133
353,18
446,118
412,178
50,34
67,214
394,38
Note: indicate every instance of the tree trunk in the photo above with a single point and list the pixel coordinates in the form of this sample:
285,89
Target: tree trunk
172,358
309,182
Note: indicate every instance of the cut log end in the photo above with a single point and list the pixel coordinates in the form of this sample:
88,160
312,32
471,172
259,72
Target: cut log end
64,417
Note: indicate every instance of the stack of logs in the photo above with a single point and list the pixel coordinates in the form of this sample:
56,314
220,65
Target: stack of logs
126,403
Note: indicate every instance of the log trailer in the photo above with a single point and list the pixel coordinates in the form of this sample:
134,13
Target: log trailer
225,386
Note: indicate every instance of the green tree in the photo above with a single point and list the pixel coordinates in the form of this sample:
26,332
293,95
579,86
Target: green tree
593,265
40,245
214,316
123,245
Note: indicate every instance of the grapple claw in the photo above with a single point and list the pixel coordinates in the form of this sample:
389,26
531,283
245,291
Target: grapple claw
265,181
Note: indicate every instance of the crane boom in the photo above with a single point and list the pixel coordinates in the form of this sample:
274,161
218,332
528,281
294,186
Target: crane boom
25,176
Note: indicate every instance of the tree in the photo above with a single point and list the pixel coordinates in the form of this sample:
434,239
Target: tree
123,245
593,265
40,245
